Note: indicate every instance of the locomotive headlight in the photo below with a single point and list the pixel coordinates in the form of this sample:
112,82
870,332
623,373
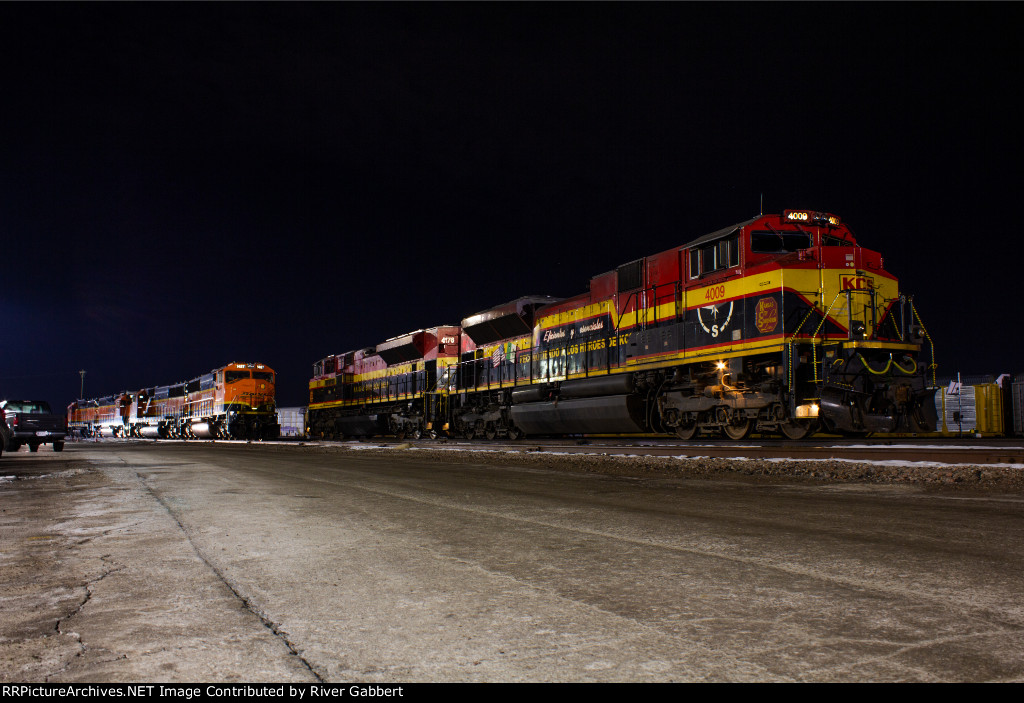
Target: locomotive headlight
720,365
809,410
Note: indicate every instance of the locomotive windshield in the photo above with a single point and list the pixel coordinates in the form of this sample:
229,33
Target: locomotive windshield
779,242
263,376
233,376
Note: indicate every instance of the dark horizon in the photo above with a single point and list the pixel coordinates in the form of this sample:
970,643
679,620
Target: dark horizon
187,185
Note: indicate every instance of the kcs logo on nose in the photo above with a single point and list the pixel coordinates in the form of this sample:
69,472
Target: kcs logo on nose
856,283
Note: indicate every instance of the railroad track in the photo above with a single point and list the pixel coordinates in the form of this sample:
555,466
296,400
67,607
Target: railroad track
909,450
889,450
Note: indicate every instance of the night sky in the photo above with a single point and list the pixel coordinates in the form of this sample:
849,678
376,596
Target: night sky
185,185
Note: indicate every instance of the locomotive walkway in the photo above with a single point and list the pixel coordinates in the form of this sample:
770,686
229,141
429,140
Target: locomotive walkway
232,562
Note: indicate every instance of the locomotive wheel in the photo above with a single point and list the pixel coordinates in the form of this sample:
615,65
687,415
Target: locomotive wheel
469,433
33,447
490,433
798,429
400,435
738,431
416,434
686,431
514,433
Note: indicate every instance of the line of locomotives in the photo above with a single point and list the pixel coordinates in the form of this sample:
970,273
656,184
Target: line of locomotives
780,324
236,401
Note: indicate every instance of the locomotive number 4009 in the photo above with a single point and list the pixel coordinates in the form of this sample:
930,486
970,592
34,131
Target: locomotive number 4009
715,293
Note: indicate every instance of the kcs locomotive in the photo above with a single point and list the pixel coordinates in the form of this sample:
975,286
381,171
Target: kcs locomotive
782,324
231,402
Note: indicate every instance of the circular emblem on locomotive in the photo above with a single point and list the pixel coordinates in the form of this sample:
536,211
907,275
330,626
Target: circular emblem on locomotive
713,325
766,315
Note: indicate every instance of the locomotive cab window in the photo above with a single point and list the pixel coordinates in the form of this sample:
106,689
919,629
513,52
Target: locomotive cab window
779,242
830,241
715,256
263,376
233,376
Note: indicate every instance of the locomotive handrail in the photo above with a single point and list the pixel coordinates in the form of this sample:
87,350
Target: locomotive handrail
789,344
931,345
643,319
622,314
814,342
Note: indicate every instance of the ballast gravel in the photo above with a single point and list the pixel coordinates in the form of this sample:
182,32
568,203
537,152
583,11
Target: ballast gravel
983,477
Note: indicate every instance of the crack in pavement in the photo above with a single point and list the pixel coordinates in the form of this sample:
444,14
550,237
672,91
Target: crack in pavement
248,604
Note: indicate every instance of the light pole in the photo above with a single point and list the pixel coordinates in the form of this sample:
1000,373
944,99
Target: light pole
81,391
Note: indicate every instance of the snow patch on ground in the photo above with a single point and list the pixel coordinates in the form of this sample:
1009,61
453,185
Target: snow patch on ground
684,457
870,462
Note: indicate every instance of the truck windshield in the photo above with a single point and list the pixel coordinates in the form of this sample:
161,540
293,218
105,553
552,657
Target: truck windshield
32,406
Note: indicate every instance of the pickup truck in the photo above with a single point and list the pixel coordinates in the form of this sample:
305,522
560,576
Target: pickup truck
5,432
32,422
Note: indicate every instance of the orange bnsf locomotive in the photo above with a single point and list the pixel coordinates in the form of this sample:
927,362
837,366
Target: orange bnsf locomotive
781,324
231,402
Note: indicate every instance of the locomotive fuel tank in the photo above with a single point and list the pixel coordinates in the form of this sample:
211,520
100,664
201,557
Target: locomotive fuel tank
604,414
204,430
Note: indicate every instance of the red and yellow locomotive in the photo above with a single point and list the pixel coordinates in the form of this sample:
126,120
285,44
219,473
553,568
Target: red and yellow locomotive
780,324
388,389
236,401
